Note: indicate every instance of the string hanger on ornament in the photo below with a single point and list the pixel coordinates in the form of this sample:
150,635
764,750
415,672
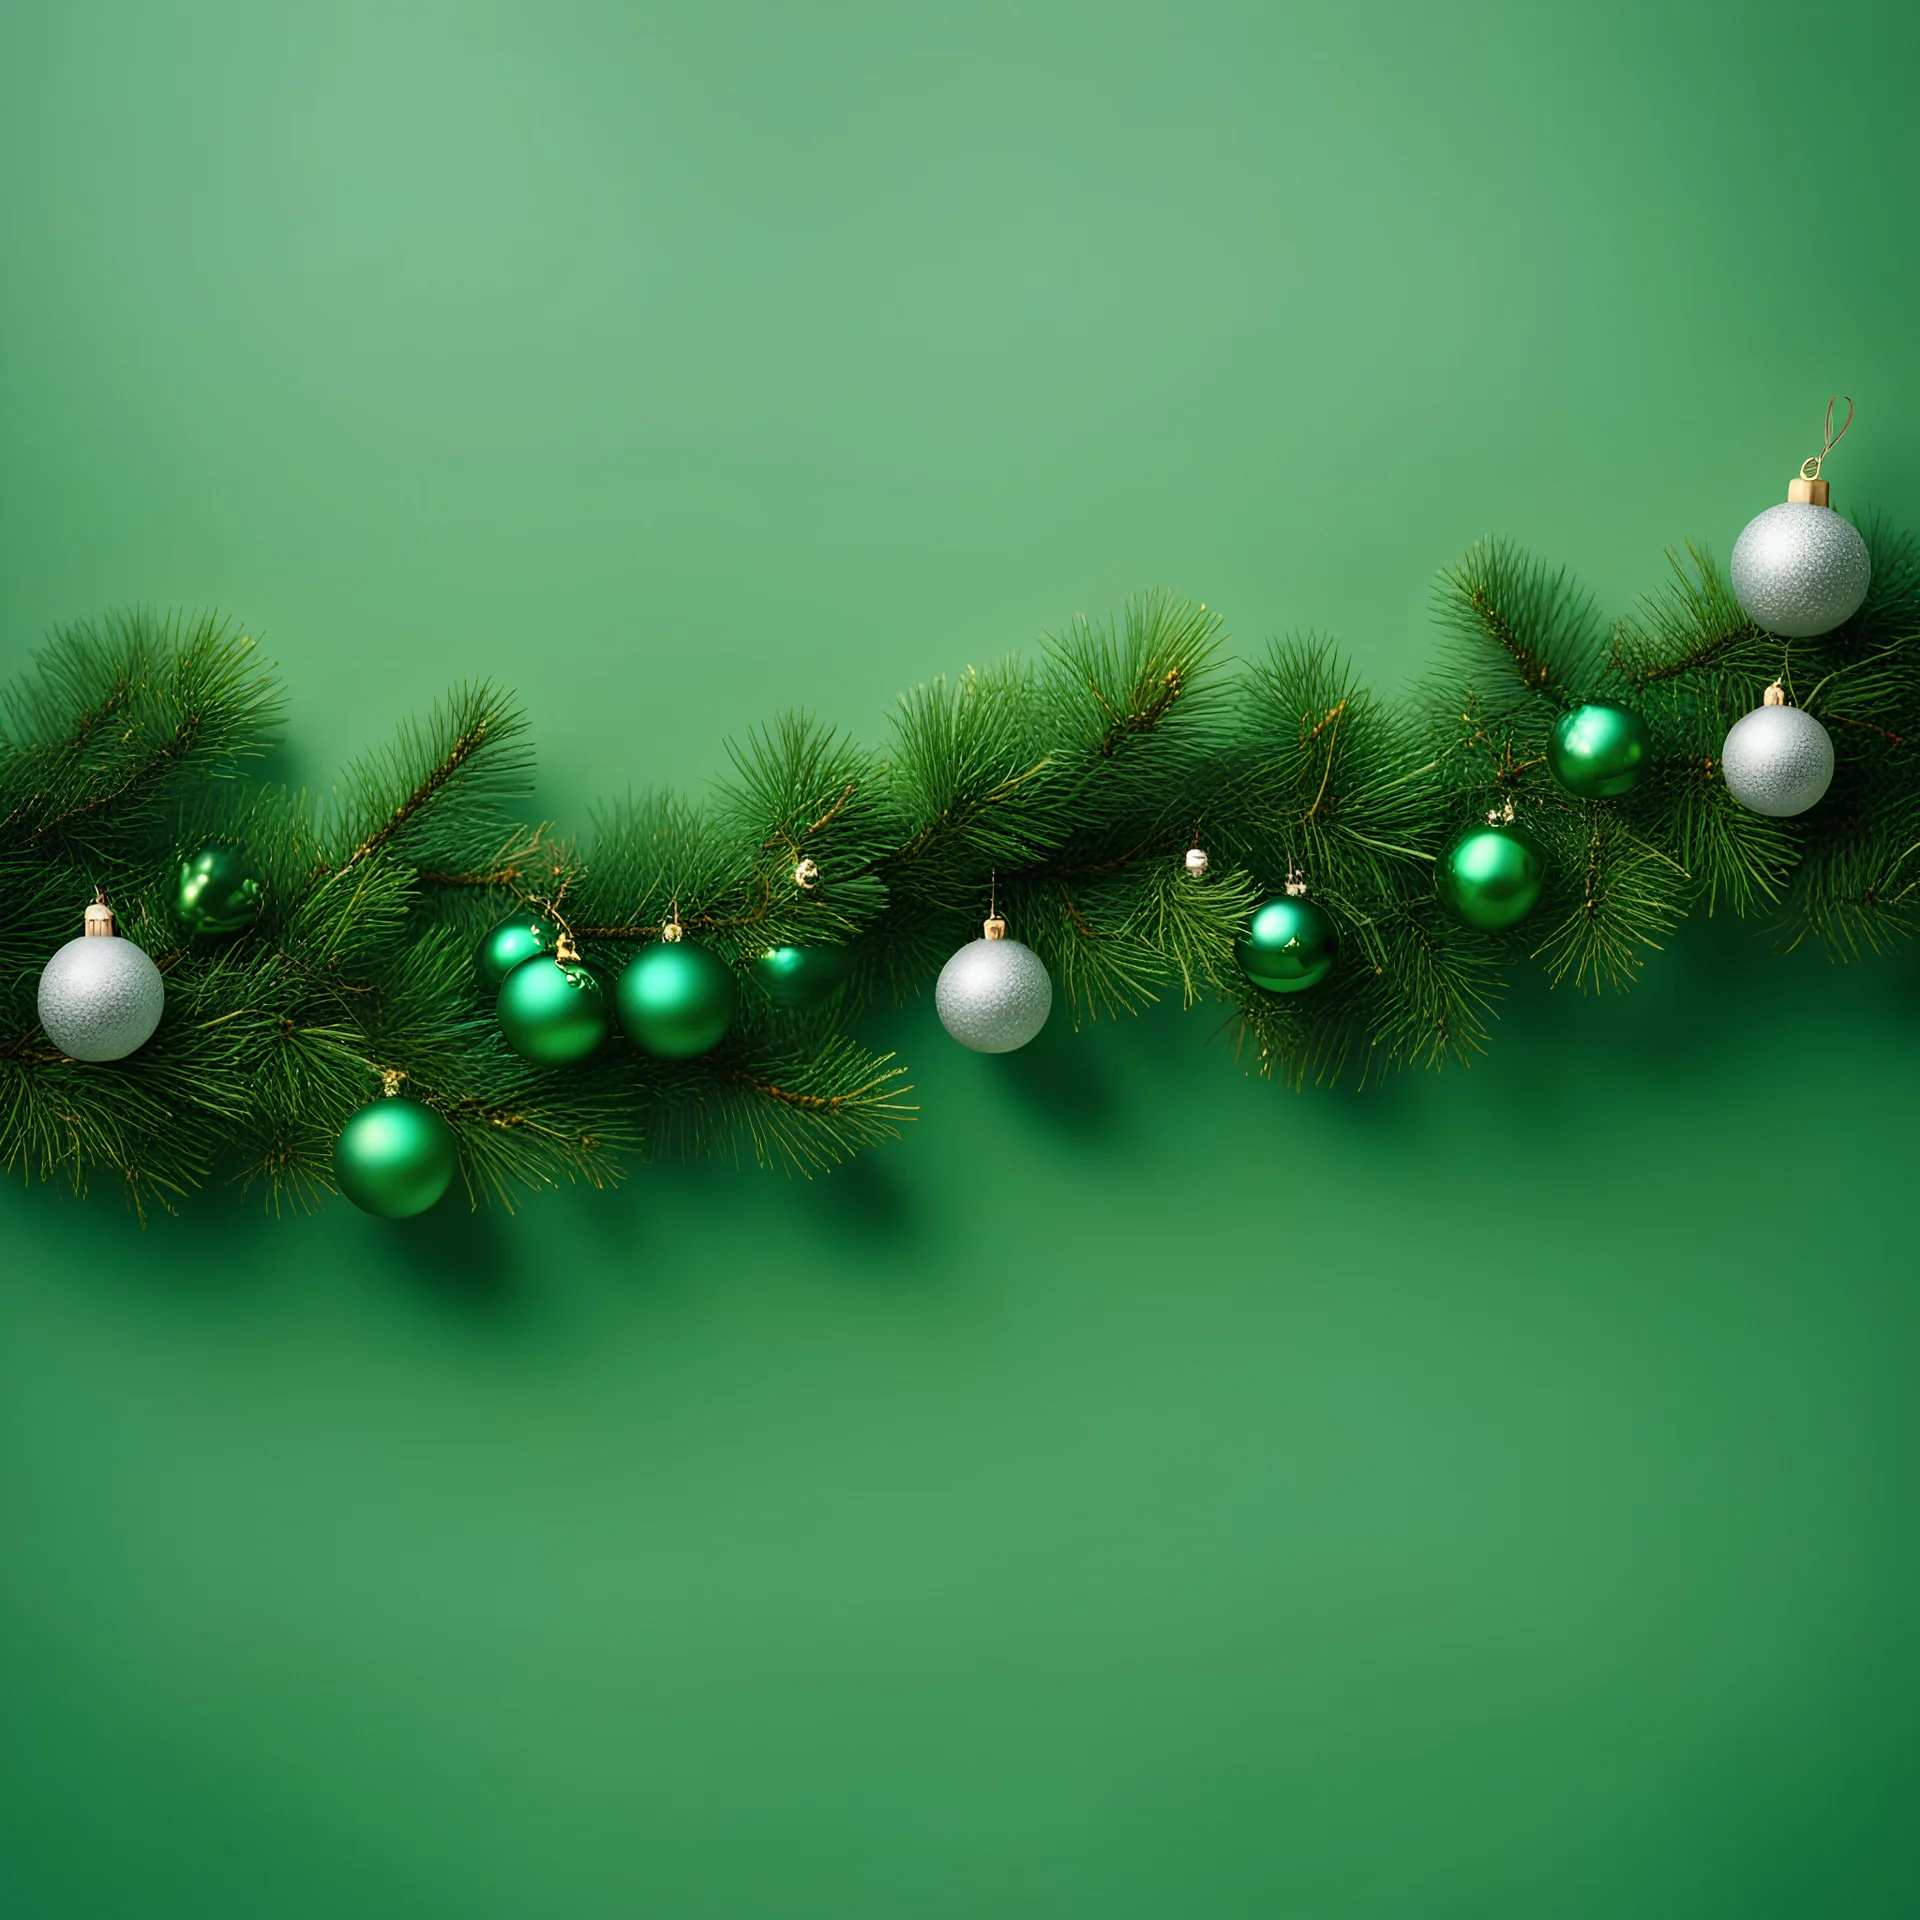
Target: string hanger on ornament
673,932
1810,489
995,928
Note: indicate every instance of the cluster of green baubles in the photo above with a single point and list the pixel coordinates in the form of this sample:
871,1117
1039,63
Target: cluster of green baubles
675,999
1490,878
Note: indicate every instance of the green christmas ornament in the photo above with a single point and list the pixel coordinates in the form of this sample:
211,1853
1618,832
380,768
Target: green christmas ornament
1491,877
1600,750
395,1157
553,1012
800,977
676,999
511,943
1290,945
219,891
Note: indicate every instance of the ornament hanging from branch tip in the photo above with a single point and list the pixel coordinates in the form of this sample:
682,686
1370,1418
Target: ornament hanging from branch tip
1799,569
1290,944
1492,877
676,998
100,996
553,1010
994,994
1778,759
395,1157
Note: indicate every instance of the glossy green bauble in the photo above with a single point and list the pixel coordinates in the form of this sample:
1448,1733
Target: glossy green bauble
511,943
800,977
676,1000
1600,751
551,1014
395,1158
1289,947
1491,877
220,891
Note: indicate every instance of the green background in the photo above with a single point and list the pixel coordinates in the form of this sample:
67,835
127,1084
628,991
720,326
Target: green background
1139,1491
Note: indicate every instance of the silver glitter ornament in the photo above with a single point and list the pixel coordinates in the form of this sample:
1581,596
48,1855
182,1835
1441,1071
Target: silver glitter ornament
100,996
994,994
1799,569
1777,759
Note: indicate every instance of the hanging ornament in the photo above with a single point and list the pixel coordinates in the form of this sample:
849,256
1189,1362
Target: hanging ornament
1777,759
1799,569
797,978
1196,863
1492,876
676,999
994,994
1290,944
1600,750
100,995
218,892
395,1157
806,875
510,944
553,1011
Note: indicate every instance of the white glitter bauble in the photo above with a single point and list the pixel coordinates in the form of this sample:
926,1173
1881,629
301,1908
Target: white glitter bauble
1777,760
994,995
1799,570
100,998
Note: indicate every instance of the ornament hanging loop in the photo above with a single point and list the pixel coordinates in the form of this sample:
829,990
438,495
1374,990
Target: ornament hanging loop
1810,469
1809,490
995,927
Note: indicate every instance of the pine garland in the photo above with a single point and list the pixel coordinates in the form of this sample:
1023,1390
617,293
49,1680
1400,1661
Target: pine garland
1071,785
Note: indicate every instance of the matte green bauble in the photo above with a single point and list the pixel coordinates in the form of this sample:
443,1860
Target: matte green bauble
395,1158
676,1000
800,977
1290,946
1600,751
551,1014
511,944
1491,877
219,892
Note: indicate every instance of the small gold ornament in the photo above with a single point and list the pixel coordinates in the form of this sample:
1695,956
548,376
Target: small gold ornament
806,875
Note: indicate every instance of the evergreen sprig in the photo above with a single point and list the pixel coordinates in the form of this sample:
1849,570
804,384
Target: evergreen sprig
1065,790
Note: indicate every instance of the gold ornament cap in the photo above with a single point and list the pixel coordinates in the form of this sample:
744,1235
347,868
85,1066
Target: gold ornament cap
1776,695
98,919
994,929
